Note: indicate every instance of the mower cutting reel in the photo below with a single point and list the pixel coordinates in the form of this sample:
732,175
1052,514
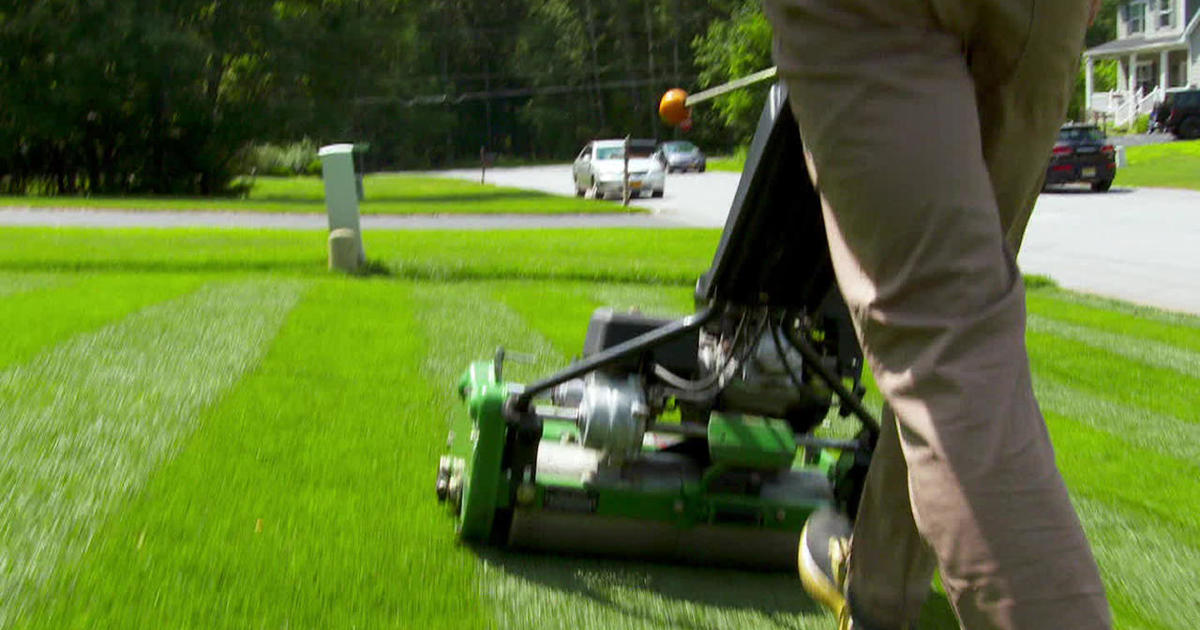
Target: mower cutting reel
688,440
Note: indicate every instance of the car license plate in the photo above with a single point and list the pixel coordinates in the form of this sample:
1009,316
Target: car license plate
639,184
1088,172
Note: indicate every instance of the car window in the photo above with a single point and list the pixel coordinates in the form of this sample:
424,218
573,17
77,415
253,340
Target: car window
586,153
679,147
1187,99
610,153
1081,134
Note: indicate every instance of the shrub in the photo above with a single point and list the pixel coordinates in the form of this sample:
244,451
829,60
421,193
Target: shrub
1142,124
297,158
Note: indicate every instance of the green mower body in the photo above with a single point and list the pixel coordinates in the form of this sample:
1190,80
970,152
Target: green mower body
745,508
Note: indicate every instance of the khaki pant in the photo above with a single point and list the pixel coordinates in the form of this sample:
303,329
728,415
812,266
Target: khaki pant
929,124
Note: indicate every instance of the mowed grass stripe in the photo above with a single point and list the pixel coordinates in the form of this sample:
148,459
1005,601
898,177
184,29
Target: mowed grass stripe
1130,424
304,500
71,304
1153,353
535,590
1139,519
13,283
87,421
1110,376
1157,485
1178,329
561,311
612,255
1150,569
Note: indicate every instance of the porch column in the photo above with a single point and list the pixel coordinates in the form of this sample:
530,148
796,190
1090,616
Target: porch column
1164,77
1087,87
1122,76
1132,73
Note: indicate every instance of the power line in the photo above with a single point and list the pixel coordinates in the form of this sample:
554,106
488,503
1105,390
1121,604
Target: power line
447,99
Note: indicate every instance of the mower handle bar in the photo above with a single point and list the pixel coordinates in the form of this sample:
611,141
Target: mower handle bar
623,350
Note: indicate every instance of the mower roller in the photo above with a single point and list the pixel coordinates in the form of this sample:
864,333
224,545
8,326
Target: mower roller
690,440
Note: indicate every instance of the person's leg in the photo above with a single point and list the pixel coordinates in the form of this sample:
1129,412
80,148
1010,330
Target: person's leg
893,579
885,101
1022,100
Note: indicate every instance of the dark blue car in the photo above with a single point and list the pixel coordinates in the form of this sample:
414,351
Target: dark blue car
1082,154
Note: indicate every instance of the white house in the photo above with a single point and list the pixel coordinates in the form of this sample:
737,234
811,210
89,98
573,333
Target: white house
1157,48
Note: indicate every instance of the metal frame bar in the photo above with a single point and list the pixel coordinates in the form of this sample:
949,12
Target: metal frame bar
736,84
623,350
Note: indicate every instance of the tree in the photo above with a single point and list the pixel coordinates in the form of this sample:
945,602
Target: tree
734,48
1104,75
137,96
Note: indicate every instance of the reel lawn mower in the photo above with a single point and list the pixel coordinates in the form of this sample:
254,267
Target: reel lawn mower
690,440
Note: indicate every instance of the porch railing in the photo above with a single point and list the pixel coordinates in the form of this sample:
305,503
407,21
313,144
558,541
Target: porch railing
1124,107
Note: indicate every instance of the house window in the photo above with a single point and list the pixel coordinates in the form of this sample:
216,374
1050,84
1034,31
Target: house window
1135,17
1165,14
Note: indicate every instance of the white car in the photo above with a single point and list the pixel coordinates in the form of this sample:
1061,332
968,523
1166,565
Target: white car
599,170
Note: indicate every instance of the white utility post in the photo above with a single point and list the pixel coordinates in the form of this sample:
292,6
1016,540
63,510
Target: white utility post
1087,88
1122,79
1164,75
625,192
341,201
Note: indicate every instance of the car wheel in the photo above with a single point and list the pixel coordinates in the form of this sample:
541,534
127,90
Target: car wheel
702,168
594,193
657,194
1102,186
1190,128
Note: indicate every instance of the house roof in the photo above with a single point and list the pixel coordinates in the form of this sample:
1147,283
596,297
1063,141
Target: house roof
1140,42
1130,44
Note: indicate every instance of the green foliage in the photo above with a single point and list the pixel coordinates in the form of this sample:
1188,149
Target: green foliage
103,97
1104,79
731,49
1104,75
1104,28
1141,124
282,160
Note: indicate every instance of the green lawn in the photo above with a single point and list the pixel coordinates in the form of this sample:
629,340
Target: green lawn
730,163
203,429
384,194
1168,165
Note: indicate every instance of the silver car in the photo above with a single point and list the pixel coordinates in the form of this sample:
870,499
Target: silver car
599,170
682,155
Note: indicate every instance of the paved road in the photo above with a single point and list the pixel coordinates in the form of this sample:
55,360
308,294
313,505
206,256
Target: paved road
1139,245
69,217
693,199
